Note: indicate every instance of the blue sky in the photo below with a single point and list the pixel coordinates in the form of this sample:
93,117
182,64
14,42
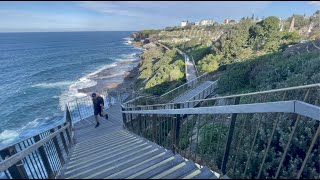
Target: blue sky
35,16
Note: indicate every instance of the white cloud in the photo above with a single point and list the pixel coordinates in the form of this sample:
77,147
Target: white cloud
316,3
173,9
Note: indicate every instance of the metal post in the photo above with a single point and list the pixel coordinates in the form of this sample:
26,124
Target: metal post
177,129
68,118
229,140
64,143
124,117
70,139
56,144
154,118
140,124
79,110
44,158
174,129
16,171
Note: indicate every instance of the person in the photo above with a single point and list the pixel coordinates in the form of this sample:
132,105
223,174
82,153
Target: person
98,105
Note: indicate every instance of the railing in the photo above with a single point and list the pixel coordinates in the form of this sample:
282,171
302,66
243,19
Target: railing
178,91
195,66
207,91
269,134
189,85
173,94
38,157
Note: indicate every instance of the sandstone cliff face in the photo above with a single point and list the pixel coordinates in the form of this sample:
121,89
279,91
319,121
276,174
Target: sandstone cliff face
303,47
138,36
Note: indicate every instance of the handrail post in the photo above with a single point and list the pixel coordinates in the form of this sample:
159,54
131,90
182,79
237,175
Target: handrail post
177,130
154,128
63,141
69,120
229,140
16,171
78,110
124,118
56,144
45,159
140,124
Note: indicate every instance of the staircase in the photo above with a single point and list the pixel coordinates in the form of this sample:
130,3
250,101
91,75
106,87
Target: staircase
111,152
143,143
122,154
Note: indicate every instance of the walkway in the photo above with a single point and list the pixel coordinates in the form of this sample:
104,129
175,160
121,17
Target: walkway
190,67
111,152
191,71
195,92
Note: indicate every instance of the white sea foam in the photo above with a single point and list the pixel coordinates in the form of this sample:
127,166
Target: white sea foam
72,93
32,124
8,136
128,40
60,84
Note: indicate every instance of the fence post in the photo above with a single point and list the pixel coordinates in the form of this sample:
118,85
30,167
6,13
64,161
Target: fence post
45,159
63,141
229,140
154,129
69,120
56,144
17,171
177,130
140,123
124,117
79,110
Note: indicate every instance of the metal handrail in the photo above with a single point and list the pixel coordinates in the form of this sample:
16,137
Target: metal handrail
264,127
239,95
183,85
35,153
297,107
22,154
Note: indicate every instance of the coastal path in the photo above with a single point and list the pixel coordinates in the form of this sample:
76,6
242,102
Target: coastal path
191,72
112,152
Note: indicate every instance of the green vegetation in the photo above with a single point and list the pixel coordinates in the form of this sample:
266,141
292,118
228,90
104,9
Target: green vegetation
251,56
160,71
246,40
150,32
269,72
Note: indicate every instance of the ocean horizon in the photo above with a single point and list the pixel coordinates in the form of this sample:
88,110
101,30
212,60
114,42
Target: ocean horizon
42,71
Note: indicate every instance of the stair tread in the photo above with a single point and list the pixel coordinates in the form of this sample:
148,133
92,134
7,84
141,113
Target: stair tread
190,166
120,157
205,174
158,169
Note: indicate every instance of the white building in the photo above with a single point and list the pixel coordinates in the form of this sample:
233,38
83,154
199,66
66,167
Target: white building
184,23
197,23
206,22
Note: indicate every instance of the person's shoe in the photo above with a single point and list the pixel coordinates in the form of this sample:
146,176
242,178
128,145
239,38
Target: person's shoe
106,116
97,124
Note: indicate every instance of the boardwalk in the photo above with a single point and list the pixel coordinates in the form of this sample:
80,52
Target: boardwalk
190,67
194,92
191,71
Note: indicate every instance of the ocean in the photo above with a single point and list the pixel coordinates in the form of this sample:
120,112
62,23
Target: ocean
41,72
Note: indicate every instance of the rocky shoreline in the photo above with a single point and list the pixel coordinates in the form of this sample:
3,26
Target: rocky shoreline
121,82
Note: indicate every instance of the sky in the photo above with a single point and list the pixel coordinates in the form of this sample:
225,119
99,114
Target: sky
57,16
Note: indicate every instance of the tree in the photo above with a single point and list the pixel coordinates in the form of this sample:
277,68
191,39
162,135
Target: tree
272,34
271,24
209,63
